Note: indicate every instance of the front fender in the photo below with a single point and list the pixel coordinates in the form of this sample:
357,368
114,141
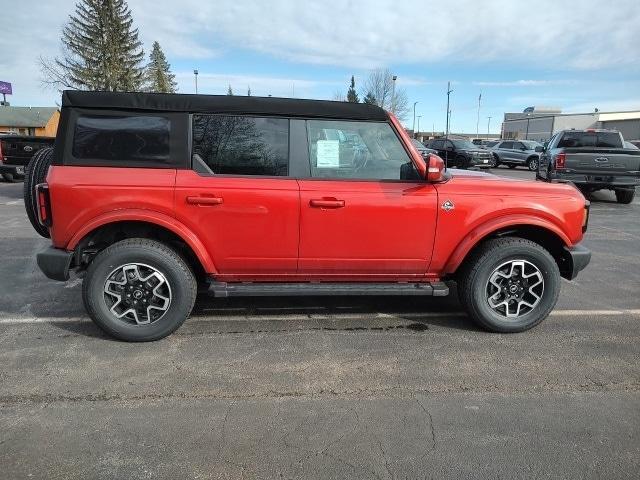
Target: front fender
147,216
480,232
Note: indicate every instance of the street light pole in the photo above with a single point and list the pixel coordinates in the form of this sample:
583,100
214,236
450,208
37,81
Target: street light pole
446,134
526,135
393,94
414,120
478,121
488,123
195,74
419,116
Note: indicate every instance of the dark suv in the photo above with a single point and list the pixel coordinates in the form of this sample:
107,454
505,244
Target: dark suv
462,153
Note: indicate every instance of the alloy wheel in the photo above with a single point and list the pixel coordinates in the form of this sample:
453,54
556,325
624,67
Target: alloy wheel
514,288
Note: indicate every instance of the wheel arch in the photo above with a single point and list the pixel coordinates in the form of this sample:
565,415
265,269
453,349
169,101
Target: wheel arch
543,233
109,229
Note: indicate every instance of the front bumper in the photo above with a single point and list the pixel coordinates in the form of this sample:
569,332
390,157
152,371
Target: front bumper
576,259
55,263
15,169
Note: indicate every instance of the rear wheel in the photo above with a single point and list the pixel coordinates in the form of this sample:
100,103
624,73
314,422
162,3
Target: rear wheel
509,285
532,164
139,290
35,173
625,196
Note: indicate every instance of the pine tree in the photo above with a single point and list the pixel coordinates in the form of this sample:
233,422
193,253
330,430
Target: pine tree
229,91
102,49
370,99
158,76
352,95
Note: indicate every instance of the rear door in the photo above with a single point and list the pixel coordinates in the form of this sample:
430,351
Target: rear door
239,199
363,213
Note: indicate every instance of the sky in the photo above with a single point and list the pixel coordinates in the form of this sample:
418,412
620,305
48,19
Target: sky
576,56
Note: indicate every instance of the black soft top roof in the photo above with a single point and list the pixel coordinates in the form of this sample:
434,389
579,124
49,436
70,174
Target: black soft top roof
230,104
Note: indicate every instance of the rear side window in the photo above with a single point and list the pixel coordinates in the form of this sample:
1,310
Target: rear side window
507,145
121,138
355,150
241,145
590,139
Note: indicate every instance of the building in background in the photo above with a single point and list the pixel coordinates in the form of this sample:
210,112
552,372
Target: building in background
541,124
35,121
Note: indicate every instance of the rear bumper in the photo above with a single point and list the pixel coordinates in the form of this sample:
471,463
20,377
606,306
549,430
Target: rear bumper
596,181
577,258
55,263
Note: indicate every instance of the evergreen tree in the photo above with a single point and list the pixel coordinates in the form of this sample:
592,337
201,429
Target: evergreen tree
158,76
248,91
229,91
102,49
370,99
352,95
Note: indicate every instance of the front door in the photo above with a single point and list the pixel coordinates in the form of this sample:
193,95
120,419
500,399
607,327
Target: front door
363,213
239,199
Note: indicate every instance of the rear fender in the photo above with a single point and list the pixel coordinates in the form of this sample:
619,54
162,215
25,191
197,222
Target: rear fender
148,216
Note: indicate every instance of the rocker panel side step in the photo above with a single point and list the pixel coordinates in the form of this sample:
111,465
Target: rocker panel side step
268,289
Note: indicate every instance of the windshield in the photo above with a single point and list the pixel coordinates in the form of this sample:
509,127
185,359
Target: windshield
531,145
590,139
417,144
463,144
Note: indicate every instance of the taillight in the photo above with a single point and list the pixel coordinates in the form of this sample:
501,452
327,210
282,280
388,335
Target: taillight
560,160
44,204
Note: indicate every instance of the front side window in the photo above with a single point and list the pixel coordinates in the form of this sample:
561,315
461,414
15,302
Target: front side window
121,138
357,150
240,145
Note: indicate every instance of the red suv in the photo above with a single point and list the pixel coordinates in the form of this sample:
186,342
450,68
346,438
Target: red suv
151,197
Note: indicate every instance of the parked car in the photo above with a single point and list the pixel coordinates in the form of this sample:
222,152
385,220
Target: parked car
424,151
513,153
462,153
16,151
151,197
592,160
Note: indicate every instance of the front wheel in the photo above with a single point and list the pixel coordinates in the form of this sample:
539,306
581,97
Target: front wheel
139,290
509,285
12,177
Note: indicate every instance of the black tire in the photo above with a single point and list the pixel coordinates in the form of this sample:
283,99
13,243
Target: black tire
496,161
35,173
473,283
532,164
12,177
625,196
150,255
462,162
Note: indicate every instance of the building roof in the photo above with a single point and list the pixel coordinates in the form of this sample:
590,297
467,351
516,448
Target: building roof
228,104
25,116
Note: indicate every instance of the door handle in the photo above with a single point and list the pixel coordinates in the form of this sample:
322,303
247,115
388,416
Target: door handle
326,203
204,200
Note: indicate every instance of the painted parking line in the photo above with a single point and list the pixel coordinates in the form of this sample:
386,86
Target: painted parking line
315,316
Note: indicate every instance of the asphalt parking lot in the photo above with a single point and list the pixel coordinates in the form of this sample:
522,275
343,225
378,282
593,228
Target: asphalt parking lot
387,388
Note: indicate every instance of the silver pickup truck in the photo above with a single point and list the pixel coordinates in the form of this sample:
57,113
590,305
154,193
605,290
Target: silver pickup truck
592,160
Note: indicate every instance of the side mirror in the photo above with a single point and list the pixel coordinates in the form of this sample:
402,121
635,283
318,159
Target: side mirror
435,168
539,149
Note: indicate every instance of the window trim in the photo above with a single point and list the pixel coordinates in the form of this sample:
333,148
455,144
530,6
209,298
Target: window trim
240,175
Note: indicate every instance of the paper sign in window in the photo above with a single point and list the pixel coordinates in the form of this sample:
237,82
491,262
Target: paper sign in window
328,154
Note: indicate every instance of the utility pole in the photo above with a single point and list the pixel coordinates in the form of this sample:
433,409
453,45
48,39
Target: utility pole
488,123
446,134
419,116
478,121
195,74
413,129
393,94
